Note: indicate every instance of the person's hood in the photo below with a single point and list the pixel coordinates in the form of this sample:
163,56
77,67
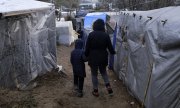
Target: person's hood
78,44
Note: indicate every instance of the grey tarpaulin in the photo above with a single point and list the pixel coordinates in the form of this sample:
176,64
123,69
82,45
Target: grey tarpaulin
27,42
148,55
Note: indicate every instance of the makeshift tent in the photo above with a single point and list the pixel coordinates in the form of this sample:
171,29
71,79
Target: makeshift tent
27,41
148,56
65,33
91,17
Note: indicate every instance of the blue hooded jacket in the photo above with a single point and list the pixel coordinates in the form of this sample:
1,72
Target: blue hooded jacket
82,35
77,61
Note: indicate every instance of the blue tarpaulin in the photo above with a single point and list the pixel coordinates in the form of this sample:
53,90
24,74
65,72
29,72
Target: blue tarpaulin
111,58
91,17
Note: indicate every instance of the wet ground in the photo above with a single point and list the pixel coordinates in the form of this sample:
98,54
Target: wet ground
54,90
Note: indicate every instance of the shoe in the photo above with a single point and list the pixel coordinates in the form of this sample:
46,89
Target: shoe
95,93
80,94
109,89
75,90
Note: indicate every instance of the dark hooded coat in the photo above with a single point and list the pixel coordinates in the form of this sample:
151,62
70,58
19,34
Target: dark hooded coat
82,35
98,44
76,59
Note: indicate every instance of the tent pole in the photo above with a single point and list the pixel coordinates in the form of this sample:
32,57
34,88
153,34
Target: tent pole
148,83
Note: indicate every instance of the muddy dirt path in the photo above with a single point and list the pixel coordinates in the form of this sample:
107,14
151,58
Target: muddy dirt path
55,91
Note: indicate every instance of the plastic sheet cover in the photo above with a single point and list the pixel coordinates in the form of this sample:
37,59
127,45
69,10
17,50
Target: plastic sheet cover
148,56
65,33
14,7
27,47
91,17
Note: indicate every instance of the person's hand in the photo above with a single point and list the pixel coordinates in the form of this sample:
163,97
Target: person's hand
85,59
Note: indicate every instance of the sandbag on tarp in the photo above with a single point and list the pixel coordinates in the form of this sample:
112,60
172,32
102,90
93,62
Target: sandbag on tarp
27,42
153,60
65,33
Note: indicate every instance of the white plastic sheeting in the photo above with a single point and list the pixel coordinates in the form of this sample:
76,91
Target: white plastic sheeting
15,7
148,56
65,33
27,45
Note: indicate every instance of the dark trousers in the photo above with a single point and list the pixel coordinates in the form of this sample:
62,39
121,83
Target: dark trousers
94,74
79,82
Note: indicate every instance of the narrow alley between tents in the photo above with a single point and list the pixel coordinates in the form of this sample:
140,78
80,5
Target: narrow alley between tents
55,90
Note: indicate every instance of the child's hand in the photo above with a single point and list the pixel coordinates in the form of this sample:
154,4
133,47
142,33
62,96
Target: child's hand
85,59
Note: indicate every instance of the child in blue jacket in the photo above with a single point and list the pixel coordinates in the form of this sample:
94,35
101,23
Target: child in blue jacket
78,66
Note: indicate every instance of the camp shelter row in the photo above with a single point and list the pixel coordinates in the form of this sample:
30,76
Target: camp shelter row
148,55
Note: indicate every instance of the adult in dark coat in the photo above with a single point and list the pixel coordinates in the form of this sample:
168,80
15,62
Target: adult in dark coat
97,46
78,66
